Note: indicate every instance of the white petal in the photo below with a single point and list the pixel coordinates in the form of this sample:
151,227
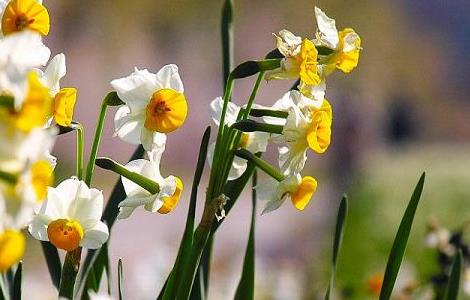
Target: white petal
288,43
87,207
167,187
137,200
231,113
239,166
258,141
95,236
154,206
292,158
125,212
128,127
169,78
152,139
56,69
328,34
143,167
137,89
38,227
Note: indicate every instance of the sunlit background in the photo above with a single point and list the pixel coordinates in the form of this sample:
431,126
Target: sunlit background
405,109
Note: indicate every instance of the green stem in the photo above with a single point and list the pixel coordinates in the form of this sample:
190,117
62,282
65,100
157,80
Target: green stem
146,183
8,177
252,98
69,273
260,163
80,146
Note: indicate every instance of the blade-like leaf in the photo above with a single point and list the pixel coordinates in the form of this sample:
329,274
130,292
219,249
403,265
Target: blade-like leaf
120,279
94,260
399,245
453,286
171,287
17,282
246,286
3,289
53,262
340,224
227,38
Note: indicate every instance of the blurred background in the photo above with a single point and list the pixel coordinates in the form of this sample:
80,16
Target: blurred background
405,109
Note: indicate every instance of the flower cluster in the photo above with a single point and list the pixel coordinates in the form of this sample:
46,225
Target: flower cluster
298,122
32,108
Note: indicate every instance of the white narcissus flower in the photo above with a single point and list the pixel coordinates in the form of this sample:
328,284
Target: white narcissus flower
19,54
346,43
308,125
12,242
22,15
170,188
70,217
64,98
299,189
252,141
154,105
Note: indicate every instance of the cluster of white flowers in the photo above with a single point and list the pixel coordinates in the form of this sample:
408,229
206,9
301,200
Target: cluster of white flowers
32,105
308,115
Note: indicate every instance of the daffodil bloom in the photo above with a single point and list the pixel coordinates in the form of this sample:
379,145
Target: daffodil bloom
12,246
19,54
345,43
299,189
64,99
252,141
70,217
20,15
154,105
308,126
170,188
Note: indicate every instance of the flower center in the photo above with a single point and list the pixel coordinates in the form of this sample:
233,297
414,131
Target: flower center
22,14
65,234
42,177
166,111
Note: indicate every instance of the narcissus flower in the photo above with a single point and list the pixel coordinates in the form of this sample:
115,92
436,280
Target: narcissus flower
307,126
70,217
12,246
345,43
299,189
154,104
170,188
63,98
20,15
19,54
252,141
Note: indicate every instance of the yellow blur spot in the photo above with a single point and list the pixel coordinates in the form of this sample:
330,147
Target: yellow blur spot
65,234
12,245
36,108
304,192
319,130
349,45
374,284
64,103
166,111
25,14
169,203
42,176
308,63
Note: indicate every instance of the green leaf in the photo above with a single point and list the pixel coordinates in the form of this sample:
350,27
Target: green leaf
17,282
120,279
94,259
2,288
453,286
69,273
246,286
53,262
274,54
399,245
227,38
112,99
184,251
340,224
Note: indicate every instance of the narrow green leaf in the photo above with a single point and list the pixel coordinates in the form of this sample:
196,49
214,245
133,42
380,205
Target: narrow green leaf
399,245
227,38
253,67
120,279
3,288
246,286
53,262
184,251
69,273
340,224
17,282
274,54
453,286
93,259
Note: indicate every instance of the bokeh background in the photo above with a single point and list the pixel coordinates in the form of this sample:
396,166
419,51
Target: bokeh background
405,109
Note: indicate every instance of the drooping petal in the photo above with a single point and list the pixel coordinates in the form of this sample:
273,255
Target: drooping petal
84,208
231,114
128,126
55,70
136,89
327,32
95,236
140,166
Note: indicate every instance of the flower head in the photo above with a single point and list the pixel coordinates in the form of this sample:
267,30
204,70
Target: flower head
12,246
299,189
154,104
168,195
70,217
19,15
